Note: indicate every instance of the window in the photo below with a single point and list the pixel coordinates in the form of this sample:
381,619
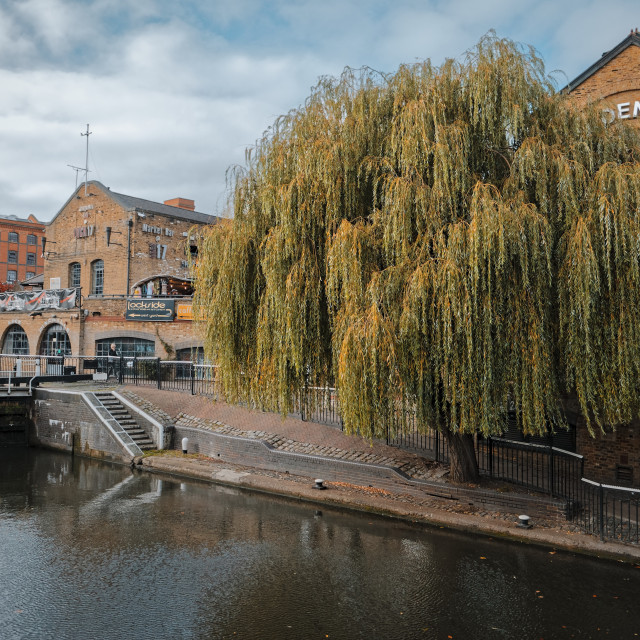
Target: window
97,277
74,274
13,236
31,239
194,354
55,342
16,341
31,274
127,347
12,257
12,275
31,259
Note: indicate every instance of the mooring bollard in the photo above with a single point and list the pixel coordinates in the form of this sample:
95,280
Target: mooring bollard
185,444
524,522
319,484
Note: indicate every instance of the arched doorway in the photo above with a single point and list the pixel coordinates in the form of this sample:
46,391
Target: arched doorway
55,341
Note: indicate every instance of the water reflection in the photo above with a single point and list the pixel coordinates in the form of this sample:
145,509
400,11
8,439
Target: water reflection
91,550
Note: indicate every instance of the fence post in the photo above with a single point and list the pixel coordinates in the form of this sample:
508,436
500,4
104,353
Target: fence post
121,370
601,523
193,378
551,471
158,374
490,443
437,445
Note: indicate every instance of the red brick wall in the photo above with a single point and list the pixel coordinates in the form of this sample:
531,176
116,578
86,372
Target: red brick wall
23,229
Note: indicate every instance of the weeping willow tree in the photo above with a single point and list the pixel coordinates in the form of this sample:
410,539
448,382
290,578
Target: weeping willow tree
456,240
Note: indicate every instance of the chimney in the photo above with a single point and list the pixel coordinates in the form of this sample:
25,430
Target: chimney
182,203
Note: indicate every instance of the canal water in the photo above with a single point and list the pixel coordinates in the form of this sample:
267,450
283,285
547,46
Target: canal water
91,550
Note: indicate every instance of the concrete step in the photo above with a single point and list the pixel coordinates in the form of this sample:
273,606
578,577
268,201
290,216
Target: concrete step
125,420
137,433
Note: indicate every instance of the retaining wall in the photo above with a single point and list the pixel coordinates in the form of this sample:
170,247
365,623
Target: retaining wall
255,453
62,420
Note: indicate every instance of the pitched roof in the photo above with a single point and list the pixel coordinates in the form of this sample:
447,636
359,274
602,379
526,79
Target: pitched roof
34,280
632,39
130,203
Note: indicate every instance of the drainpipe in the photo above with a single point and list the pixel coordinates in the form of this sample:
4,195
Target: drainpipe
129,225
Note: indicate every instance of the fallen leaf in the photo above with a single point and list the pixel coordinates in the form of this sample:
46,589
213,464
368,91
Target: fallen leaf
482,558
551,553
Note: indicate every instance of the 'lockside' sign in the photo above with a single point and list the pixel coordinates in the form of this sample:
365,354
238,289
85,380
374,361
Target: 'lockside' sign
150,309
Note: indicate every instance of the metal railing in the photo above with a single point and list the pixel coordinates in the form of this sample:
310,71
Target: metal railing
610,512
547,469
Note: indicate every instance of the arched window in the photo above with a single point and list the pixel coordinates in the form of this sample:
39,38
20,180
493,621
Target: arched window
55,341
127,347
74,274
97,277
16,341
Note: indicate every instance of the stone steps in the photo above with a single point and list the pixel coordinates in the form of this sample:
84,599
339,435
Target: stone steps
122,416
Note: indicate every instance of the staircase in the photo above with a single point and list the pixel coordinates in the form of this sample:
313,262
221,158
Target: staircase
122,416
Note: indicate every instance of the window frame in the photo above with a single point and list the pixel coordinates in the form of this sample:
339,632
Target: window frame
97,278
23,343
73,267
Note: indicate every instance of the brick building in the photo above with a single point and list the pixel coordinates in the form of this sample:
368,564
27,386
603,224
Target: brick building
20,256
115,270
614,81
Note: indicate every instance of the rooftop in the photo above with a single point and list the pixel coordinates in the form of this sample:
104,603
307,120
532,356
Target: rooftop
131,203
633,39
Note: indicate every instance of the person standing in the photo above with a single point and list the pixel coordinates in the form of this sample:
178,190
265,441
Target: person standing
113,358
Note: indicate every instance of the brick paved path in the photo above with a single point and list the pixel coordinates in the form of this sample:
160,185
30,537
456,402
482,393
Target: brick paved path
289,434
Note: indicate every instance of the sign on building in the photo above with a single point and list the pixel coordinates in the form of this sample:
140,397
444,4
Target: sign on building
150,310
184,311
32,301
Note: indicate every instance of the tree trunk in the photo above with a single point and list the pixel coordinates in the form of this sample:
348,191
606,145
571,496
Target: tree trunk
462,457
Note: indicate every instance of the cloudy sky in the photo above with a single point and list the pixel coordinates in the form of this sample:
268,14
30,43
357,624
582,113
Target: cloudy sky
176,90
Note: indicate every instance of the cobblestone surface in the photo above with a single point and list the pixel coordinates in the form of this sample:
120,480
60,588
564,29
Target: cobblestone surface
287,434
291,434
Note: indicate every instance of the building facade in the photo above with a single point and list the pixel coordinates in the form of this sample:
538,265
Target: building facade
613,81
116,269
20,255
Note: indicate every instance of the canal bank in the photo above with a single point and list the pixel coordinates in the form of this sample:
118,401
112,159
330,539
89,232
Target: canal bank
428,510
263,452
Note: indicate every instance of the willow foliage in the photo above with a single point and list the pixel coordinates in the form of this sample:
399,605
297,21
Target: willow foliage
455,239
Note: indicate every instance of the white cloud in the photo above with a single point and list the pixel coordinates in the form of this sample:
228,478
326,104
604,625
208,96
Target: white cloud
175,91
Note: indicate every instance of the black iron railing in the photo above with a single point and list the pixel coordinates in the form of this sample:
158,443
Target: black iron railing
547,469
610,512
607,511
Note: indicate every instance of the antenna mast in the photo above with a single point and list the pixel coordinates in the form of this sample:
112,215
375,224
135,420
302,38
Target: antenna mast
86,162
76,169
